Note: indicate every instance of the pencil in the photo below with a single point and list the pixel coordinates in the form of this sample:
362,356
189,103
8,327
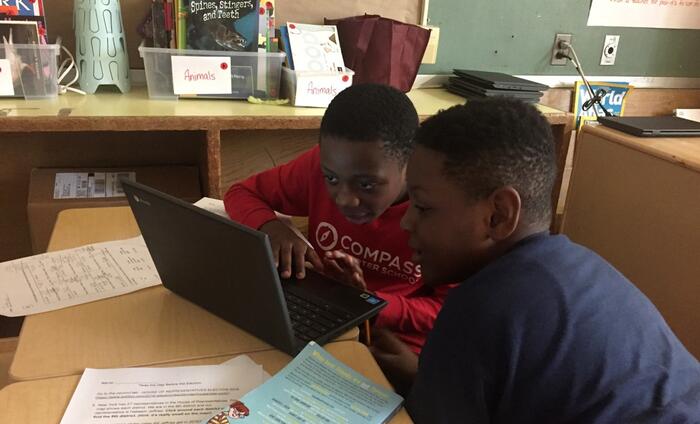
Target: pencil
368,340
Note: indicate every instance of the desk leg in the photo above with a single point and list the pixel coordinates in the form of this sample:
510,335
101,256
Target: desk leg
212,179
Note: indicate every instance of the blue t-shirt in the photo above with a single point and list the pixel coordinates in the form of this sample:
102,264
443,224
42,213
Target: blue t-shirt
552,333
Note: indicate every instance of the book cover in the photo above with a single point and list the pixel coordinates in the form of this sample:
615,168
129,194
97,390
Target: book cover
170,24
222,25
284,46
315,388
266,25
26,7
315,47
157,25
181,22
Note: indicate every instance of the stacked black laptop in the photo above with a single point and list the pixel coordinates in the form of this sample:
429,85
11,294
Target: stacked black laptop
479,84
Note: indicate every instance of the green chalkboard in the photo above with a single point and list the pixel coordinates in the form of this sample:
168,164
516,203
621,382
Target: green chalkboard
516,36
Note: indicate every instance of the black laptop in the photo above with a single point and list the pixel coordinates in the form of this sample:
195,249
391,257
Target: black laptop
469,91
653,126
228,269
499,80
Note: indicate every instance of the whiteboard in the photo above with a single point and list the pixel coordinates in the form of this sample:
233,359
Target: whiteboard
677,14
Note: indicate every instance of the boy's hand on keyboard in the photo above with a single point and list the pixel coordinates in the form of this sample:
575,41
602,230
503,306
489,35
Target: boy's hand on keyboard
290,250
344,268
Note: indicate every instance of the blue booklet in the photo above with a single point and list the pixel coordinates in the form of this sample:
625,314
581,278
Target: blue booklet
286,47
314,388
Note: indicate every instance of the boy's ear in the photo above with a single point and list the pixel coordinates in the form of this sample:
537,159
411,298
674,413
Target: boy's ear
505,212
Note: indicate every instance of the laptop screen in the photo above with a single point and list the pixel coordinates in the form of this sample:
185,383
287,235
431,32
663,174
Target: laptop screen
228,269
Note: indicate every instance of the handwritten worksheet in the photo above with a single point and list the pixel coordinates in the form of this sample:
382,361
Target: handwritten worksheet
70,277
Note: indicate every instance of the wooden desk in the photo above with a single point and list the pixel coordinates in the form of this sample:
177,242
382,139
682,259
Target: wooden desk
46,400
636,202
147,327
227,140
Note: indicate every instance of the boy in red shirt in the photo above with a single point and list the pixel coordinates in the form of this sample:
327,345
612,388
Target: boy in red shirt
352,188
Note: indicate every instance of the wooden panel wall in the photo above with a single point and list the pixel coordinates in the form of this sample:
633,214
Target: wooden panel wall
23,151
244,153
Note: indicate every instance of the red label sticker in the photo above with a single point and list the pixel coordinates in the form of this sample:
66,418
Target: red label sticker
261,11
292,26
224,66
345,78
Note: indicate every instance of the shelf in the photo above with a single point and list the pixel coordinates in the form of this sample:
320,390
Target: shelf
227,139
135,111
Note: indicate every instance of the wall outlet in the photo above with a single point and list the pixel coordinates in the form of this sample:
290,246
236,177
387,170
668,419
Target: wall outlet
430,55
558,50
609,49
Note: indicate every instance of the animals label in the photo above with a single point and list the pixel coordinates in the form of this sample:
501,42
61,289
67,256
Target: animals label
201,75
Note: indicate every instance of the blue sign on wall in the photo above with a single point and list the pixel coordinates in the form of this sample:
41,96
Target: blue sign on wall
613,101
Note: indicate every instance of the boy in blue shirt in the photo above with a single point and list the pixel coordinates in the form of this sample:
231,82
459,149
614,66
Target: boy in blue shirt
541,329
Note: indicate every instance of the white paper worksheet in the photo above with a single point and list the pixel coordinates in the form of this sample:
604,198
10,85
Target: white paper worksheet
70,277
181,395
212,205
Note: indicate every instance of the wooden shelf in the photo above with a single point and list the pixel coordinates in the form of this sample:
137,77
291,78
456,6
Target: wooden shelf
114,129
135,111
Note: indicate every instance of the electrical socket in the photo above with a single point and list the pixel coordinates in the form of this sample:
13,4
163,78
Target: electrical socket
557,50
609,49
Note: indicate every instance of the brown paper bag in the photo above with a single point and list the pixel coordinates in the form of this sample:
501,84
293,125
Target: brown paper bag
381,50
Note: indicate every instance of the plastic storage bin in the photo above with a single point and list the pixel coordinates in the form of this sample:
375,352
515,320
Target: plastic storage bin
33,70
252,73
314,88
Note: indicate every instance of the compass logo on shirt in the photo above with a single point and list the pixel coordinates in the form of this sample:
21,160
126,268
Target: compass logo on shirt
326,236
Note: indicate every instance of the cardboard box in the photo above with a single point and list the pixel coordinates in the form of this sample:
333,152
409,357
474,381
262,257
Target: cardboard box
314,88
49,194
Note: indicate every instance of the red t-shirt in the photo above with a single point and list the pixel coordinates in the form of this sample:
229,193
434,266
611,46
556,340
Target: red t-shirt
298,188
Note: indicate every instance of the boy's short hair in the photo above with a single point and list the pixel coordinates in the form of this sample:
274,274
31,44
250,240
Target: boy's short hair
371,112
493,143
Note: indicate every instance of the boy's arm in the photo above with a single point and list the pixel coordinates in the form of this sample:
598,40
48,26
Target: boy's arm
415,312
284,189
395,358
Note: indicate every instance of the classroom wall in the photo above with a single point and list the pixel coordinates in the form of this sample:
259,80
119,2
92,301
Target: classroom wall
516,37
502,35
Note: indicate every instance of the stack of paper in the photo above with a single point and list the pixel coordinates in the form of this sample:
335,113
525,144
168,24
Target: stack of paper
314,388
185,395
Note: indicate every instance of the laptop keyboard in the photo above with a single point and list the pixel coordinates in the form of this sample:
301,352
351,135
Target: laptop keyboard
311,319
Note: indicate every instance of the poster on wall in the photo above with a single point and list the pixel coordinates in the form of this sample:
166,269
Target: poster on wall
613,101
676,14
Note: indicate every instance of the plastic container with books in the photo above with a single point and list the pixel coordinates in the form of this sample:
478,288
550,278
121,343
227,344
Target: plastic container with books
29,70
314,88
251,73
